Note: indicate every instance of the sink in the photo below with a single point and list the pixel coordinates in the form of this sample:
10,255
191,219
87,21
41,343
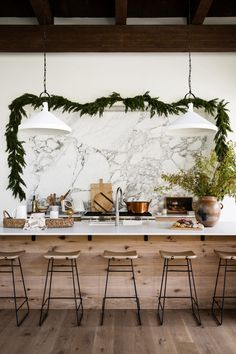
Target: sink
112,222
132,222
102,223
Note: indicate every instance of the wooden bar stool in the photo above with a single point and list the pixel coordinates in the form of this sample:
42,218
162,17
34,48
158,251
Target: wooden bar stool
11,261
71,267
171,256
224,259
118,256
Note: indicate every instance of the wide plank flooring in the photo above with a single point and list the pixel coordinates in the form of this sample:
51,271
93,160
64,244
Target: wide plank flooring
120,333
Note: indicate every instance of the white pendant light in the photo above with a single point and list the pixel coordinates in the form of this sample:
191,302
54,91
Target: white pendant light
191,123
44,123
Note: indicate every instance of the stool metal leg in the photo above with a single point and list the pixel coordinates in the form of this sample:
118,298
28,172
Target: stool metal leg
105,293
47,300
193,293
192,288
214,301
131,270
136,294
80,305
162,298
19,322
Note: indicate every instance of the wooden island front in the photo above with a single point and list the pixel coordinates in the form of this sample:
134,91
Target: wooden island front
92,266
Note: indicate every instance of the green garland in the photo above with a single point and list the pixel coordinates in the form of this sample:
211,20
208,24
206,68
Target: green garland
16,152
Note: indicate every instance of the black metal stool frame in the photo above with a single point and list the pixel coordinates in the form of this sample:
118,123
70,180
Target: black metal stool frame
192,289
219,320
75,280
12,267
109,270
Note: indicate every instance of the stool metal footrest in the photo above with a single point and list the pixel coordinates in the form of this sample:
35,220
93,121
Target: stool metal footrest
109,270
75,280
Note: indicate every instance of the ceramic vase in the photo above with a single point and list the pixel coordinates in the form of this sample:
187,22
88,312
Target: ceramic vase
207,210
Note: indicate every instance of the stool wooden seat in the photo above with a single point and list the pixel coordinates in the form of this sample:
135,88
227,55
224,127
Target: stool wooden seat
11,255
120,255
62,255
10,261
226,254
168,257
218,301
178,255
115,266
70,267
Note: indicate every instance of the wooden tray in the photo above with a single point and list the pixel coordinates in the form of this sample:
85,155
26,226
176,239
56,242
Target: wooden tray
187,228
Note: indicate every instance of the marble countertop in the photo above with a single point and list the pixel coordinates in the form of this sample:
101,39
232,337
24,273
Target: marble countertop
150,228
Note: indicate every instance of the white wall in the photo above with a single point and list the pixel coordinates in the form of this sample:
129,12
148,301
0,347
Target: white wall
84,77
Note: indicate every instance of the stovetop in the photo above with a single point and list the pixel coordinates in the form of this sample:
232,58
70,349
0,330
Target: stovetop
111,215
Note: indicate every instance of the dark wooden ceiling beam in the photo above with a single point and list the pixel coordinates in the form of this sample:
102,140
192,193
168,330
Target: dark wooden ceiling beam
201,12
42,11
121,12
108,38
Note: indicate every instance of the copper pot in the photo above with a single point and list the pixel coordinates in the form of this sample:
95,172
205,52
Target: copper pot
137,207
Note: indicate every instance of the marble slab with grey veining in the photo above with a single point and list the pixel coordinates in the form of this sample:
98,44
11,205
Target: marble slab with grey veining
130,150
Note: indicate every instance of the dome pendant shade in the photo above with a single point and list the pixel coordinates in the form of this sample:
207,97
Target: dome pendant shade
191,124
45,123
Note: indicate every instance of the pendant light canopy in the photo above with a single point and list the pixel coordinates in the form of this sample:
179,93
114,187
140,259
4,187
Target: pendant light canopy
45,123
191,123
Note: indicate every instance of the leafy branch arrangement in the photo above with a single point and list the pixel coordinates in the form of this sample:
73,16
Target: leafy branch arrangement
16,152
208,176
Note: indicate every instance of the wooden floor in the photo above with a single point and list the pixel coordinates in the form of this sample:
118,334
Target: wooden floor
119,335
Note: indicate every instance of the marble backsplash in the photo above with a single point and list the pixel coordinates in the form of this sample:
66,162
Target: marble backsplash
129,150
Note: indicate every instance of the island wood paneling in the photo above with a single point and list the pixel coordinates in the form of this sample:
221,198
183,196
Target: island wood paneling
92,269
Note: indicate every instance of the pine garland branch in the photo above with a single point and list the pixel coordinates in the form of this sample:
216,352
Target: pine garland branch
16,152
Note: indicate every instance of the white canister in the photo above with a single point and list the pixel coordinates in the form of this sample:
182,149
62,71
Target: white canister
54,214
20,212
55,208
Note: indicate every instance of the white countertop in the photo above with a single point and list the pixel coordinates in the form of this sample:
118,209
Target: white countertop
150,228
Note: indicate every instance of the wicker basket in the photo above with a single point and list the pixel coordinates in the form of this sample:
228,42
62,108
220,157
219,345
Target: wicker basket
10,222
61,222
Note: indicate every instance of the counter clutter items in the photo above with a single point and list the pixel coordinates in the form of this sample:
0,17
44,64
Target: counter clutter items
187,224
36,222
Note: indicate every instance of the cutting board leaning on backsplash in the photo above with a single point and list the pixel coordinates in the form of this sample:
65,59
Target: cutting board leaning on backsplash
101,196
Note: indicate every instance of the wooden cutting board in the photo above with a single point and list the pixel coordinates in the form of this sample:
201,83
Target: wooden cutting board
106,190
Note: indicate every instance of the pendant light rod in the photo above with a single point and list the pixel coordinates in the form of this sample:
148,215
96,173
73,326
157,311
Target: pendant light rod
189,54
44,61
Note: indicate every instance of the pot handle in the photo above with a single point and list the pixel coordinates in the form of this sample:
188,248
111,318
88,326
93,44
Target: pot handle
221,206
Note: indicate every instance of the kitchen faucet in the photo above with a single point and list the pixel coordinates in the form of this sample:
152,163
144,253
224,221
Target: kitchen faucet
118,191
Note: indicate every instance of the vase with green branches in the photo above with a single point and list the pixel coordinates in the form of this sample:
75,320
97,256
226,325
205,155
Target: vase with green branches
210,180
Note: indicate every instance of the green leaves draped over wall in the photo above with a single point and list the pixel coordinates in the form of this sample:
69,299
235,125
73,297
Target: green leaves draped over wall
16,161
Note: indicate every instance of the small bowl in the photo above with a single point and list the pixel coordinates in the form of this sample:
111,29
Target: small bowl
42,209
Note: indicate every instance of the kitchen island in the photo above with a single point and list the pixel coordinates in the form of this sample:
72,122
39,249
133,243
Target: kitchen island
148,267
107,228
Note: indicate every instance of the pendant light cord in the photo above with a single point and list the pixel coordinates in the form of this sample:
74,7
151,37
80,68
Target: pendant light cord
189,53
44,64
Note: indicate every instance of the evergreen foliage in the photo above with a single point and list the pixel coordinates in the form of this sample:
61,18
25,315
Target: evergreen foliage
16,152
